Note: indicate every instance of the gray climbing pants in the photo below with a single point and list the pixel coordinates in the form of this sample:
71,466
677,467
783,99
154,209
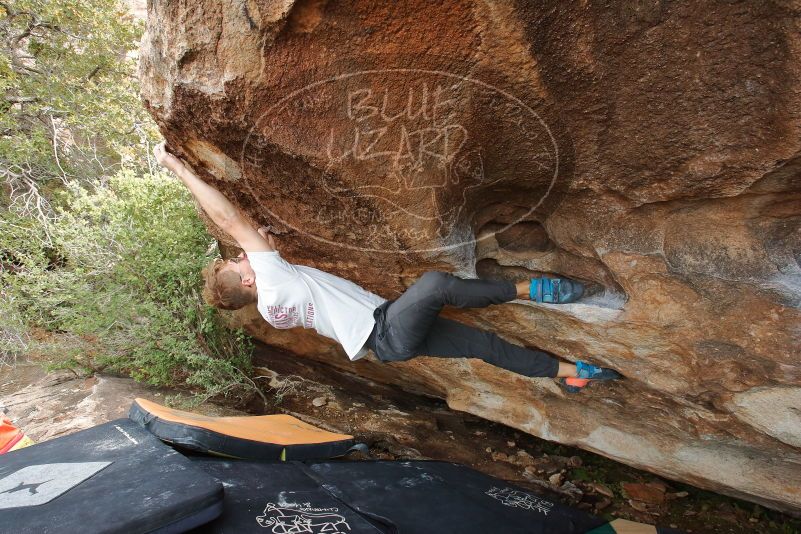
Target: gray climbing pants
410,326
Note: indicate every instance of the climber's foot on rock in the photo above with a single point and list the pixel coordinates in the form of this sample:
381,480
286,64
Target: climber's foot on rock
555,290
585,374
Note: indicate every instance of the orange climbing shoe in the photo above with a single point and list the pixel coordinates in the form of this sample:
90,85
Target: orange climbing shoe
585,374
575,383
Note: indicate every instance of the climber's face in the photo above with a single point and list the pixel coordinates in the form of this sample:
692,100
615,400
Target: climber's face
241,266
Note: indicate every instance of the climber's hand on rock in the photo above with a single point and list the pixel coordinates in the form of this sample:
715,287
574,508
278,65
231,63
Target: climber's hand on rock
264,231
166,159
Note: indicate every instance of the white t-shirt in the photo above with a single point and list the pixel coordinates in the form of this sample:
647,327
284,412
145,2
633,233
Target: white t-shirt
294,295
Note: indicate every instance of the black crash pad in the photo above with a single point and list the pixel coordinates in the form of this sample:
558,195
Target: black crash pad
277,498
381,496
115,477
440,497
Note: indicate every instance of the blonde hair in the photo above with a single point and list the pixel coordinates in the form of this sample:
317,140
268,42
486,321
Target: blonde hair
224,289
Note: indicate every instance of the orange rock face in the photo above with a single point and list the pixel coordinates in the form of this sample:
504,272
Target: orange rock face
649,149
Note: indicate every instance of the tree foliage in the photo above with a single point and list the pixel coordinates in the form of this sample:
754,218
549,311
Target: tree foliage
70,105
117,284
100,254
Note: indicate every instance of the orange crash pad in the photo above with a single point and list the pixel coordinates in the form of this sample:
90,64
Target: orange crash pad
265,437
11,437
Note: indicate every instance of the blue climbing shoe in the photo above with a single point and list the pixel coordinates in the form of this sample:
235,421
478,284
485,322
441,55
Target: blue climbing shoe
585,373
593,372
555,290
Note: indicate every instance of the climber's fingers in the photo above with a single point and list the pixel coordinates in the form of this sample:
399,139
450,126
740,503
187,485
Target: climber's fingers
264,231
165,158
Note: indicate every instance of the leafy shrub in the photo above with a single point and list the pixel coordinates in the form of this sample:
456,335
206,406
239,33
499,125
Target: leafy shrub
118,278
99,255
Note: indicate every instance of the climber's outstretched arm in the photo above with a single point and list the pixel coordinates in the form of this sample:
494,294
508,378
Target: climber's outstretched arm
217,207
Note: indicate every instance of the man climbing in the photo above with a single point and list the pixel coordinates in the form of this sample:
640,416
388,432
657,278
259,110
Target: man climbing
290,295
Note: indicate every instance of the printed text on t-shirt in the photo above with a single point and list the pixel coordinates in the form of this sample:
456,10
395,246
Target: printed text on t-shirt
282,316
309,316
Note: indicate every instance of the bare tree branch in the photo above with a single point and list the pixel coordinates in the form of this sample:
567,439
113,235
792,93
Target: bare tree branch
21,99
93,73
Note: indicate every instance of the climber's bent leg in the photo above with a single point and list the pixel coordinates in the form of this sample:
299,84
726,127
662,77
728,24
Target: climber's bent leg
452,339
411,316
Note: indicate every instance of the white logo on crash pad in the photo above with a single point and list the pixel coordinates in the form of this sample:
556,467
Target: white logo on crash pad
40,484
297,518
520,499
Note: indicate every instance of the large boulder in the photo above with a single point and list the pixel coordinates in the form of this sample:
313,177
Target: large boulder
650,148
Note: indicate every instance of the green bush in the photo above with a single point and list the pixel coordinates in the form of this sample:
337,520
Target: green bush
115,276
100,257
69,98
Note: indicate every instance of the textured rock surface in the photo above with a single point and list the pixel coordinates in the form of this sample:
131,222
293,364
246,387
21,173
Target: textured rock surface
61,403
649,148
